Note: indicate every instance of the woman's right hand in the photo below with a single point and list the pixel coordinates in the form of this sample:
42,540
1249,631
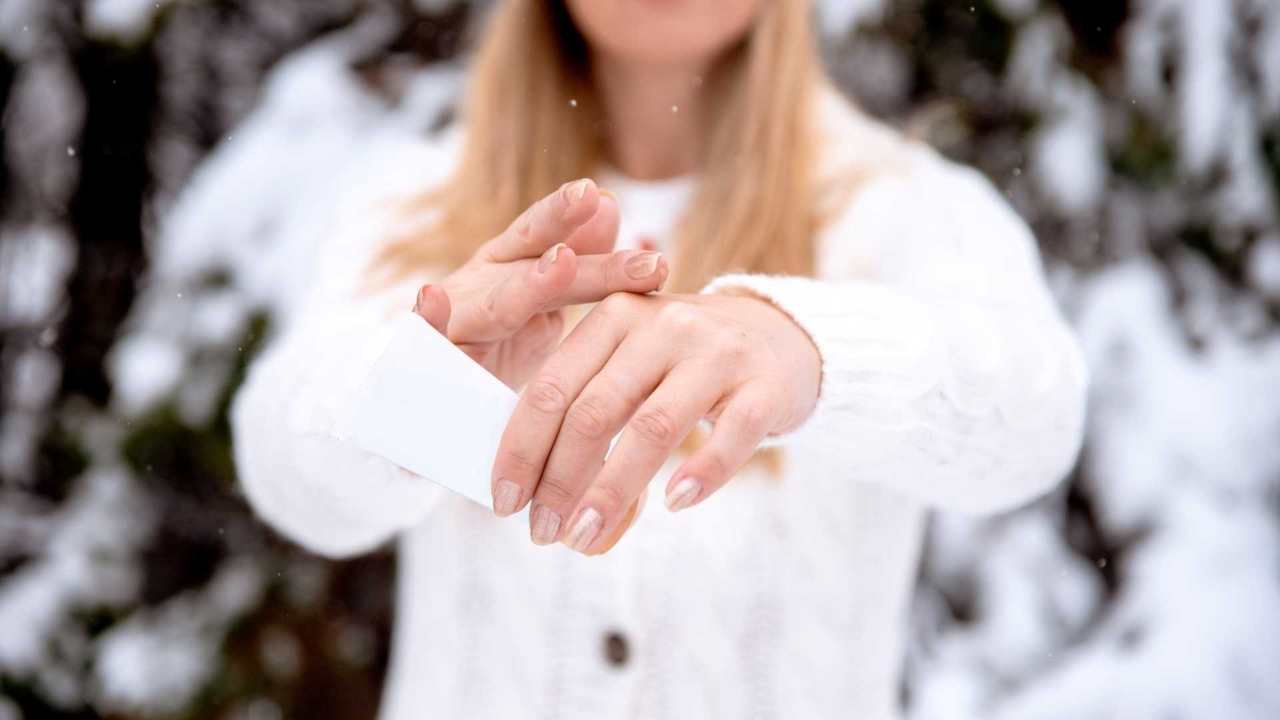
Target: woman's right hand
503,306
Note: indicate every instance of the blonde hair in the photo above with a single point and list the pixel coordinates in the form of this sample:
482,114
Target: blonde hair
758,205
755,207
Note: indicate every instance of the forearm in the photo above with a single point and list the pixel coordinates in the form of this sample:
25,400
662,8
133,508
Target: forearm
962,404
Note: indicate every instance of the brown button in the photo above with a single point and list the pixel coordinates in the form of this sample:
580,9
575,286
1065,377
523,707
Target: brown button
615,649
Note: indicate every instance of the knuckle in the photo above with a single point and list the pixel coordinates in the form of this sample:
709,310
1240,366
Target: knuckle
679,318
546,395
523,225
498,314
548,205
714,466
731,343
555,490
588,418
617,303
520,463
614,273
751,417
656,425
610,499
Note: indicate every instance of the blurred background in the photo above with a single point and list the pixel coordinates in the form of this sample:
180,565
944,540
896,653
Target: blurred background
167,166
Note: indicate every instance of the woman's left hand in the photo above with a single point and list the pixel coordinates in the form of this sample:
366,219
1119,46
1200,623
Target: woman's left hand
650,366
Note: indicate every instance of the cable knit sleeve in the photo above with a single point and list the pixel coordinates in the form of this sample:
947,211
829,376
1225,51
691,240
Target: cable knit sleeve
947,371
288,419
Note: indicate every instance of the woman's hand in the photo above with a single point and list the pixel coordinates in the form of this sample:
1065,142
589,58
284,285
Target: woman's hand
503,306
650,366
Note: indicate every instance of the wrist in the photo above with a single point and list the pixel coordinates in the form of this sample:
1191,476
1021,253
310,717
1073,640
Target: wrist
797,354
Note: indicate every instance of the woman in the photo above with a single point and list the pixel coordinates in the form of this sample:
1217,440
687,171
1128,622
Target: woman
786,270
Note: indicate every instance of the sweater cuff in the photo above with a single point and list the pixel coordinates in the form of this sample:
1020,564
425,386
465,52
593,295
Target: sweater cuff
878,346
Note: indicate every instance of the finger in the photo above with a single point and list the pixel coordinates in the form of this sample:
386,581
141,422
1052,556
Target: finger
549,221
526,442
561,278
599,276
433,305
600,233
745,421
527,289
593,418
655,430
631,518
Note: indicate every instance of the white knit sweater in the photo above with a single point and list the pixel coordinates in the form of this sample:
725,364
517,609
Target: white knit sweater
949,381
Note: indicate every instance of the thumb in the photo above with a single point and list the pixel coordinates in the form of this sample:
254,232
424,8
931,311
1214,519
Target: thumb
433,306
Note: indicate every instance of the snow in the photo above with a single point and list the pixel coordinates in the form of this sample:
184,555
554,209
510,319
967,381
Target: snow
1182,457
1205,82
1197,637
1266,55
124,20
1244,197
1015,10
21,27
258,204
250,216
152,670
85,563
1264,265
145,369
36,372
253,212
1067,152
45,255
1200,35
34,263
1165,420
840,17
1067,158
44,117
154,662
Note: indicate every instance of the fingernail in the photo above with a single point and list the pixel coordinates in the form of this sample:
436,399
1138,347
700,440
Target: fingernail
421,299
642,266
584,530
607,193
506,498
549,257
546,523
682,494
578,189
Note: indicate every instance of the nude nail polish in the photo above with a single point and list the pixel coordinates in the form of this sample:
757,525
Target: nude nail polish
506,497
545,525
682,494
549,257
578,190
642,266
585,529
